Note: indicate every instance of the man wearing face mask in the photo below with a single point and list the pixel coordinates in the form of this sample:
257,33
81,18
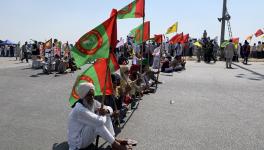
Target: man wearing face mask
87,120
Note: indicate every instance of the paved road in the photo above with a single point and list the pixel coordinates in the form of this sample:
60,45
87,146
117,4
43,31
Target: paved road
214,108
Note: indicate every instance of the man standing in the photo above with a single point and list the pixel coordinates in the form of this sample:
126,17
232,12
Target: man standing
156,56
229,53
87,120
17,51
25,52
259,50
246,52
178,50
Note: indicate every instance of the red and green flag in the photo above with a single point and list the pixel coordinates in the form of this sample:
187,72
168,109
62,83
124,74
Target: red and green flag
113,64
95,74
136,9
139,36
95,43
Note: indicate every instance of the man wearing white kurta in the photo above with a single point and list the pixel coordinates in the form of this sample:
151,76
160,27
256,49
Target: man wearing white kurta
229,53
156,60
84,124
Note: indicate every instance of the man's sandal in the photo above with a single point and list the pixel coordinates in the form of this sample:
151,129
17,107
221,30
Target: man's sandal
128,142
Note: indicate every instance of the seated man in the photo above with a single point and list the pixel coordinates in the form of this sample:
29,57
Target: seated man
178,64
166,66
85,124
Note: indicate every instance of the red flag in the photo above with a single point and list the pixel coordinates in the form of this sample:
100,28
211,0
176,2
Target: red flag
259,33
177,38
114,32
235,40
185,38
158,38
146,31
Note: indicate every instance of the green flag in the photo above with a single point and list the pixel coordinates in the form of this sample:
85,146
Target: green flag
94,44
95,74
224,44
136,9
137,33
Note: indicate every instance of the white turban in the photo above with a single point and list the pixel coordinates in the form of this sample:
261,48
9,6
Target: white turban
84,88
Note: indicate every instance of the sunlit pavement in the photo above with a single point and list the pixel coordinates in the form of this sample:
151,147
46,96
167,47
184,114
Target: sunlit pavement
213,108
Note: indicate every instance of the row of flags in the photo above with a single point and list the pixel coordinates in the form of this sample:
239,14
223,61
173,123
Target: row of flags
258,33
99,43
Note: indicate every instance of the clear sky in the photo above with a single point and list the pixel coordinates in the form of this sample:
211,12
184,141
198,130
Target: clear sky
68,20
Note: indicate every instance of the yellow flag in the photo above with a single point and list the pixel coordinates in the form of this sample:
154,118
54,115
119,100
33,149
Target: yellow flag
172,28
198,44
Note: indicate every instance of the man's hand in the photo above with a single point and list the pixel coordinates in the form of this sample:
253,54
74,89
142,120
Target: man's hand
103,111
116,114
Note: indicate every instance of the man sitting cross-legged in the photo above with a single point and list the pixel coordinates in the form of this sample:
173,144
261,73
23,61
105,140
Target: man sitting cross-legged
87,120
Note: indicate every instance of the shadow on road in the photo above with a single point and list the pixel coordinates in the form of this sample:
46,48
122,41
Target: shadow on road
29,68
259,78
37,75
64,146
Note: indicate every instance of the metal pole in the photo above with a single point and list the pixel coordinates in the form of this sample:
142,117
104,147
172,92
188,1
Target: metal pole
143,45
223,22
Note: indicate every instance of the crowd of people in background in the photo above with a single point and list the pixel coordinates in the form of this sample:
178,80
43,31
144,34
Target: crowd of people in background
51,55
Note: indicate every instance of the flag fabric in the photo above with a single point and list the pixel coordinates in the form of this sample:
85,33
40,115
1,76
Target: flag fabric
249,38
95,74
185,38
224,44
177,38
95,43
113,64
258,33
235,40
137,33
172,28
158,38
48,44
198,44
136,9
114,32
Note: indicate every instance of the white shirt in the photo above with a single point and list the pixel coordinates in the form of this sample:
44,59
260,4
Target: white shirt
82,121
253,48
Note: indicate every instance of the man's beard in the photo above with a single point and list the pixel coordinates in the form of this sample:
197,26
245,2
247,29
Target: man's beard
89,104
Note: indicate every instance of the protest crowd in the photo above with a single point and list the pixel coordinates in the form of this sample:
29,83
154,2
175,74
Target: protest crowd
102,97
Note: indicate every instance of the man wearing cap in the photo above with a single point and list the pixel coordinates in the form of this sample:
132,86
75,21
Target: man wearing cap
87,120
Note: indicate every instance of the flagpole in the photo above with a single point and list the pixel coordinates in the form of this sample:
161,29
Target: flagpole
106,78
118,120
143,44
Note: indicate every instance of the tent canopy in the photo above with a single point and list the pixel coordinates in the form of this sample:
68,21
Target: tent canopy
7,42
